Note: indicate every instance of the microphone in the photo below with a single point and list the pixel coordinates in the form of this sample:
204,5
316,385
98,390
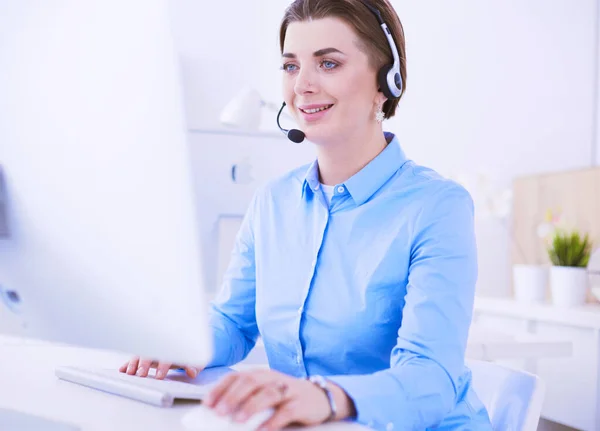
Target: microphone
293,135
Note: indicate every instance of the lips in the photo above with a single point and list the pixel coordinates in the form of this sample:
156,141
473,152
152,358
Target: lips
314,113
314,109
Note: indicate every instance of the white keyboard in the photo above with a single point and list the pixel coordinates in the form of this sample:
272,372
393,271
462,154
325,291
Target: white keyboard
146,389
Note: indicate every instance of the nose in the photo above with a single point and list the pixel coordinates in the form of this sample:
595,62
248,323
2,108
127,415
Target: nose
305,81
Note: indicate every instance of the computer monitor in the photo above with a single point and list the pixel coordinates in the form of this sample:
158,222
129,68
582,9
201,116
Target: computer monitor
101,247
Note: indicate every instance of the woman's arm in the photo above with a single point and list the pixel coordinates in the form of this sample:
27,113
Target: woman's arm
232,313
421,386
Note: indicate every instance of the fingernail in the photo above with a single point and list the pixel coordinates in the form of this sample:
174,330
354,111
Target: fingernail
140,372
240,417
160,374
194,372
222,409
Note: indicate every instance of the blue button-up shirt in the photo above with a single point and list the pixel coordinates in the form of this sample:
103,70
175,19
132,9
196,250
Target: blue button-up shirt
373,291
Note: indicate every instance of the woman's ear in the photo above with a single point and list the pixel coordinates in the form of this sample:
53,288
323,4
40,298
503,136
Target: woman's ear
380,99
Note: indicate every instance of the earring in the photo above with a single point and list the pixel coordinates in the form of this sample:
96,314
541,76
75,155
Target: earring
379,115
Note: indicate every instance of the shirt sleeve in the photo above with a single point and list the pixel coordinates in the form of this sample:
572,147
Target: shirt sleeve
232,313
422,384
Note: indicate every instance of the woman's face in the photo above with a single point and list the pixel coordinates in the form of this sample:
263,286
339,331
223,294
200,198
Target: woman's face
328,84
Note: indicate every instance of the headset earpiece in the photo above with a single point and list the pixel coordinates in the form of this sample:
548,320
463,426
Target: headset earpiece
388,77
382,81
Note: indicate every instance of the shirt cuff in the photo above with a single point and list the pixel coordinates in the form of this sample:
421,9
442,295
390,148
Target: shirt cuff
373,395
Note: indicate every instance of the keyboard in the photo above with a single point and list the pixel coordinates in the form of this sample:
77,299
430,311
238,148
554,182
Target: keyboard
161,393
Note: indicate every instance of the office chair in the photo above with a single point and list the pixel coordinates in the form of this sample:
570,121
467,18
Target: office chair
512,397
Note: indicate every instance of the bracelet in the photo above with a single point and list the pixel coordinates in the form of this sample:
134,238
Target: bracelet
322,383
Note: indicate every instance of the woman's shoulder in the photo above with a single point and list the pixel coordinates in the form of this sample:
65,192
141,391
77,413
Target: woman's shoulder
431,186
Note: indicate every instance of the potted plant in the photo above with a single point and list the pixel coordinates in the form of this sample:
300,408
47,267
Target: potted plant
569,253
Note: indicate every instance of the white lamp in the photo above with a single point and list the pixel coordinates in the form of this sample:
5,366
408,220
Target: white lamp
245,110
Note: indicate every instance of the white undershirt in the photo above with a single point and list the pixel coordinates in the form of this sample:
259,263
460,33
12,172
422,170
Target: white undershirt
328,192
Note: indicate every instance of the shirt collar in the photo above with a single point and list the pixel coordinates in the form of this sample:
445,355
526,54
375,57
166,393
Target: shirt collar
369,179
311,180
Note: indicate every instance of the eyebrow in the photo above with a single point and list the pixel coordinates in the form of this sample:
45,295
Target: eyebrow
319,53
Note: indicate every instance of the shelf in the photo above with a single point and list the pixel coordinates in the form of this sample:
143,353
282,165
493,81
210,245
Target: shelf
586,316
489,345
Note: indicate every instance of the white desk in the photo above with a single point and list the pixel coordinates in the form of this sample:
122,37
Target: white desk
29,385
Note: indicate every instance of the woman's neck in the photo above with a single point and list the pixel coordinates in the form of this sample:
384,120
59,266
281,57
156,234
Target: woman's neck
341,160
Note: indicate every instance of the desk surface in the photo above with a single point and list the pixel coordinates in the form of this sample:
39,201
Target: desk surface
30,386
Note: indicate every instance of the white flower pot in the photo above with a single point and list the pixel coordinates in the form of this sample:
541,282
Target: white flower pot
530,283
568,285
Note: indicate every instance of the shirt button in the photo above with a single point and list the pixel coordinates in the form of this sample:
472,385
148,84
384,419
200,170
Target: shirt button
389,427
297,359
316,187
300,310
341,189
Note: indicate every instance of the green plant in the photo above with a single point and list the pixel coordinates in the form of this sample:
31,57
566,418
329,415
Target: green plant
570,249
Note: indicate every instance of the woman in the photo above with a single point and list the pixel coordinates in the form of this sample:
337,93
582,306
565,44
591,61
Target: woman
360,268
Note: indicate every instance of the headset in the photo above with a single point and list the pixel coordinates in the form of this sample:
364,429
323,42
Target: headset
389,78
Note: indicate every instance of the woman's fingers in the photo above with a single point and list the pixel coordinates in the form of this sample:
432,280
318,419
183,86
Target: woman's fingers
132,362
132,366
162,369
144,366
269,395
192,371
220,388
284,415
236,394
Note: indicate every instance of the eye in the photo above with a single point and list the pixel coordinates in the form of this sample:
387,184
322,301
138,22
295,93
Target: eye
289,67
328,64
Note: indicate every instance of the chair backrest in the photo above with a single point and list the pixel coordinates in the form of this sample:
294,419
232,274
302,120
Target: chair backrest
513,398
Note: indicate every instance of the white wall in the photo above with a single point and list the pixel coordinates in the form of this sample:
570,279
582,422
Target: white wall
502,87
505,84
225,48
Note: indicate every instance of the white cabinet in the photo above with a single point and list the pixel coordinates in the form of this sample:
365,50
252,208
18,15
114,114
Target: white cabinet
573,382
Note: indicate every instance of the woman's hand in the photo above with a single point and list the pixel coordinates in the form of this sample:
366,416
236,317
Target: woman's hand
141,367
294,400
